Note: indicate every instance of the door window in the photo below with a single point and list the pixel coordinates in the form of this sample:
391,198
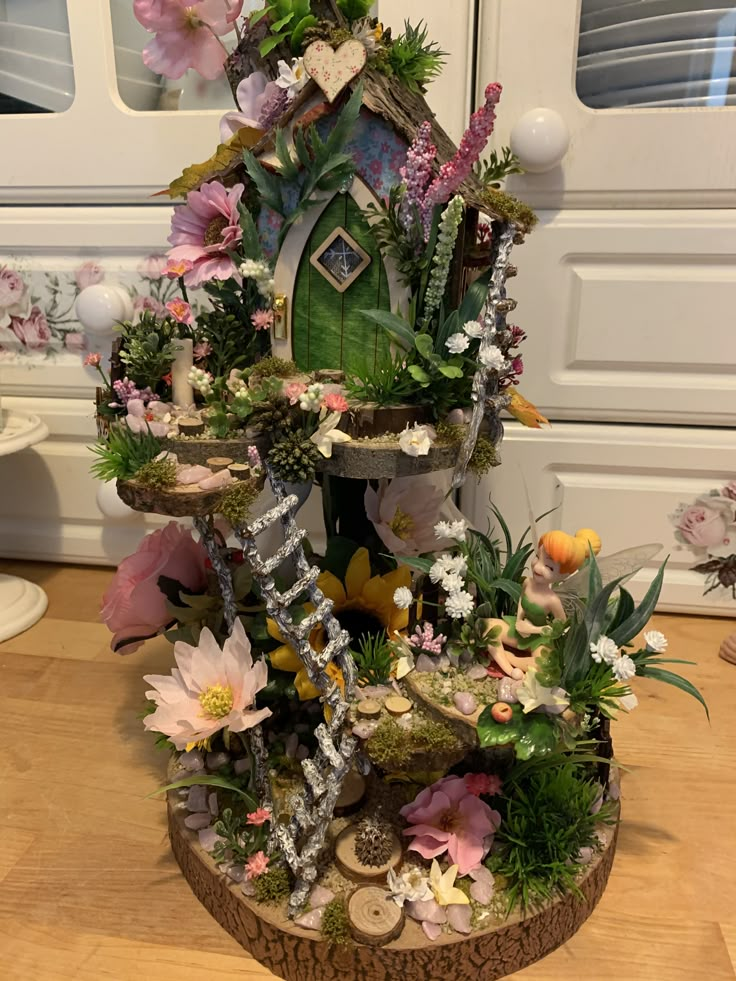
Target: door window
36,72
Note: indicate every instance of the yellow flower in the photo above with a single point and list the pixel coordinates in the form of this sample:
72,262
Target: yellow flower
443,885
285,658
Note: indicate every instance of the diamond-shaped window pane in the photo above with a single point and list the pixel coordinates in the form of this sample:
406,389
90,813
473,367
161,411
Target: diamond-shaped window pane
340,259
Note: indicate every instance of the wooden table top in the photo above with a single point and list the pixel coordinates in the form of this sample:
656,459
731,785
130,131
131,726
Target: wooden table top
90,892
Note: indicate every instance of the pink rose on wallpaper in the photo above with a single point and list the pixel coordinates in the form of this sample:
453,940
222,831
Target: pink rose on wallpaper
75,342
702,526
15,300
33,332
89,274
153,266
134,608
147,304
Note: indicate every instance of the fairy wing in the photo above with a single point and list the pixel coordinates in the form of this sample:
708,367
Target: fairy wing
620,565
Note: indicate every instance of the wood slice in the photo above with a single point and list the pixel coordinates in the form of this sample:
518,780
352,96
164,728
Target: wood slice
374,917
376,458
352,793
369,708
177,502
397,705
296,954
351,866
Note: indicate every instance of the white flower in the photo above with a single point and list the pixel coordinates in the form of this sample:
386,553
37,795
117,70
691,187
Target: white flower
493,358
445,565
368,35
292,77
458,529
327,434
409,887
442,529
604,650
311,400
459,605
453,583
532,695
417,440
655,641
473,329
260,272
457,343
623,668
201,380
403,598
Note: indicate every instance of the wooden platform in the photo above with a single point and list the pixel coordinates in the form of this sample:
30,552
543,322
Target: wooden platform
89,890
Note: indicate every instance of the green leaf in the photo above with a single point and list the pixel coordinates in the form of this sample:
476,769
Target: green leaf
269,43
259,15
641,616
423,344
267,184
419,374
451,371
301,7
576,657
279,24
595,583
595,613
418,563
208,781
289,170
624,608
676,680
533,734
251,242
448,325
396,327
297,35
474,298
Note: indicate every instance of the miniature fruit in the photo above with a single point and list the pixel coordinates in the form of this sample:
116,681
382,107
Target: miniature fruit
502,712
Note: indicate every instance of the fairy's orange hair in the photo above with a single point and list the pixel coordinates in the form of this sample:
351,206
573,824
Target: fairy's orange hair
570,551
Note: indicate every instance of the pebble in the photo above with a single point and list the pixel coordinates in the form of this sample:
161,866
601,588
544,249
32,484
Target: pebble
482,889
426,910
208,839
432,930
220,479
477,672
236,873
248,888
242,765
507,691
192,475
216,760
444,663
319,896
364,730
465,702
302,753
197,799
193,760
425,664
195,822
311,920
458,917
585,855
213,805
292,745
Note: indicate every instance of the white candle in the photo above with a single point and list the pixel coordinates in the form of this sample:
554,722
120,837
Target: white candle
182,391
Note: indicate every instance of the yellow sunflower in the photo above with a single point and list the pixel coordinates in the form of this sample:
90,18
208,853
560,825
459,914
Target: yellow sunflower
364,604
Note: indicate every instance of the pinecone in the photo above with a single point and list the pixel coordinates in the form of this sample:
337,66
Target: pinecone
271,416
373,842
294,457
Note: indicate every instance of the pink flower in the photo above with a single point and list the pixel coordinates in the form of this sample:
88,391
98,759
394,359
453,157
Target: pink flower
205,229
259,816
153,266
15,300
252,95
147,304
202,350
404,512
336,402
702,526
92,360
175,270
180,311
424,638
186,34
256,864
417,172
729,490
134,608
154,417
293,391
89,274
74,341
483,783
209,690
446,817
262,319
34,332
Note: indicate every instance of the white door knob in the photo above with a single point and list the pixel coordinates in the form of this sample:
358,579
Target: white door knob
540,139
100,307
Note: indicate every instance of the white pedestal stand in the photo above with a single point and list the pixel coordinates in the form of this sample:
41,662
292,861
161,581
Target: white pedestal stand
22,603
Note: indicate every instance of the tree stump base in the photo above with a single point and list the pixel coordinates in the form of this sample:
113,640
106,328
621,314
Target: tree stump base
296,954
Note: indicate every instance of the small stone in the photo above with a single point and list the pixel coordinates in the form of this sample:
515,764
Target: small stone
585,855
218,479
465,702
248,888
302,753
398,705
432,930
208,839
428,910
364,730
444,664
291,746
373,691
311,920
458,916
476,672
236,873
482,889
614,791
425,664
319,896
197,799
507,691
196,822
217,760
193,760
369,708
214,808
405,721
192,475
242,765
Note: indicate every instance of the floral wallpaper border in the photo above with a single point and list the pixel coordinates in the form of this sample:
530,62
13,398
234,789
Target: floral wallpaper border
707,528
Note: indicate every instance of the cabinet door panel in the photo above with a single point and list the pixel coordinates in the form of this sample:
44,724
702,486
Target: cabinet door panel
623,481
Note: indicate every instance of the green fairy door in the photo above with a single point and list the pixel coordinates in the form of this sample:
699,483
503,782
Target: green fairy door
328,328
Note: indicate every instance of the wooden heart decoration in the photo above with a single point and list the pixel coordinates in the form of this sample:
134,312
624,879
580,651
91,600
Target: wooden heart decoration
332,70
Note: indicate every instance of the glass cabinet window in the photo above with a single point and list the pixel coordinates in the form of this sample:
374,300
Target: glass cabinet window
36,72
640,54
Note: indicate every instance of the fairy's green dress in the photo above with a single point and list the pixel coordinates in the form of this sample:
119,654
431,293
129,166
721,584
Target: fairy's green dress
537,615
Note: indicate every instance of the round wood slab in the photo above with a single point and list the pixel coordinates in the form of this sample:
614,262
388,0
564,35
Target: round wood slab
375,458
296,954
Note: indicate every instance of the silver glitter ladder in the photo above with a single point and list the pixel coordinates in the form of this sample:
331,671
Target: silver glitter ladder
486,398
302,839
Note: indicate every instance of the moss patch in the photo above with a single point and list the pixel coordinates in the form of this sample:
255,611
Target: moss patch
335,923
273,886
237,501
274,368
157,474
510,208
392,746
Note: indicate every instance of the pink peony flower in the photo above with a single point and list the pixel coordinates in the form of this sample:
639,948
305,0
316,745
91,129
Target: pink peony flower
256,864
336,402
15,300
33,332
404,512
252,94
186,34
134,608
180,311
209,690
147,304
154,417
175,270
202,350
702,526
153,266
259,816
93,360
262,319
446,817
74,341
89,274
204,230
293,391
483,783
